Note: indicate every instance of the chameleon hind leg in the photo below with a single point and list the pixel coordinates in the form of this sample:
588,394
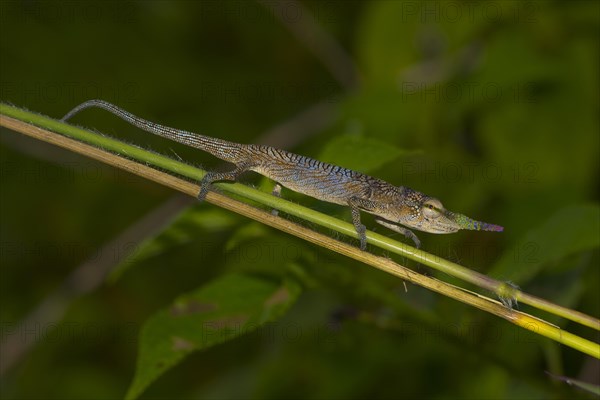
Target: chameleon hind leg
211,176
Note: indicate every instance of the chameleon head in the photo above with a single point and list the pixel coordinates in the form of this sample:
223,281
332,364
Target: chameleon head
427,214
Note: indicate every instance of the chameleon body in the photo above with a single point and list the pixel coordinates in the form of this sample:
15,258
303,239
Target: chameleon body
395,207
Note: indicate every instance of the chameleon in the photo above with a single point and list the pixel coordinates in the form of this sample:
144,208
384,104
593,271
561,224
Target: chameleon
395,207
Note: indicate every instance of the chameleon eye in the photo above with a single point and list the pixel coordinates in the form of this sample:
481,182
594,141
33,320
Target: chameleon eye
432,208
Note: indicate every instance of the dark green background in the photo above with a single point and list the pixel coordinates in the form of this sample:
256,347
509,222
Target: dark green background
494,106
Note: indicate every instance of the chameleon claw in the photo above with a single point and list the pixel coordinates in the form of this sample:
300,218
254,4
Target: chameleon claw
362,236
204,188
363,244
416,240
202,195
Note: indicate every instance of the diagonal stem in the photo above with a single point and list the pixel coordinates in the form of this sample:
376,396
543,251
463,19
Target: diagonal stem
269,201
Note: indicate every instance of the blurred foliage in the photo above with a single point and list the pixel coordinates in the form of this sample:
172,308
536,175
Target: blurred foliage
229,307
490,106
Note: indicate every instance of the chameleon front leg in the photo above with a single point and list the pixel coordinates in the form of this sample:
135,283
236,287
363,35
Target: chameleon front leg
356,204
211,176
400,229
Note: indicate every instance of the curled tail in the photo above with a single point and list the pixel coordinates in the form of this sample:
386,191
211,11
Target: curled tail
223,149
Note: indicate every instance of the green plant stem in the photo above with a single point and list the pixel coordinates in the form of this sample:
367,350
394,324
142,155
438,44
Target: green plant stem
501,289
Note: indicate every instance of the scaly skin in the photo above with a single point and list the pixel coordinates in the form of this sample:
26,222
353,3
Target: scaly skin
392,206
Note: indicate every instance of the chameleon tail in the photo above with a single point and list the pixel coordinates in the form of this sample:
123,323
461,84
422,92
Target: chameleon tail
223,149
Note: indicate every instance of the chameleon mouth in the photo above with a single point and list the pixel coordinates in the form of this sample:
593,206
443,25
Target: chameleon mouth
465,222
448,222
443,222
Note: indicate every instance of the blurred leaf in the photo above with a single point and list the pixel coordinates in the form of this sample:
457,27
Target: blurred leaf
250,231
269,254
563,281
359,153
187,227
571,230
224,309
380,52
534,124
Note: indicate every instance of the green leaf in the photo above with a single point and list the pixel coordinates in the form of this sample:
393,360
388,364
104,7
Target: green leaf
247,232
571,230
191,224
226,308
359,153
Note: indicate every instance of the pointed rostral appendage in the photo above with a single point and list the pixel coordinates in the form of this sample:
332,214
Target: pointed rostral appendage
467,223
